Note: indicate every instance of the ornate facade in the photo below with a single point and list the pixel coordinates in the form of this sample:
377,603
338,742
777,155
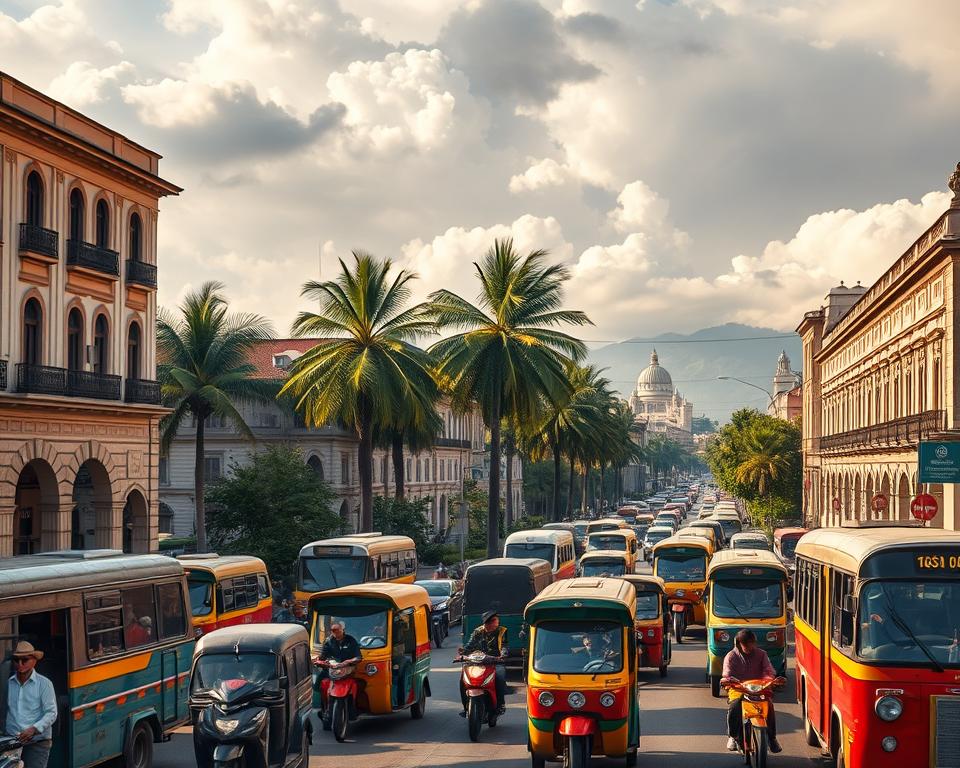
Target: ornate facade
878,366
79,406
660,406
787,395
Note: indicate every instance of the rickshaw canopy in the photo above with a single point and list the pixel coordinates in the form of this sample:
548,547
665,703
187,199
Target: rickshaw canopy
645,583
398,596
608,599
684,542
739,563
249,638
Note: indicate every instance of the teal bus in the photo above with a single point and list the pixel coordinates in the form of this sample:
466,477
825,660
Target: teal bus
117,640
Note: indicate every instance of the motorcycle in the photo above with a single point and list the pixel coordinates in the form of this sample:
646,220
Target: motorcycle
756,696
480,683
10,752
338,694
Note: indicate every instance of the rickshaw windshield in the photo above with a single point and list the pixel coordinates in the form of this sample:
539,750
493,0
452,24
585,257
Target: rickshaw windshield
648,605
747,598
201,597
570,647
525,549
788,546
730,526
320,573
212,669
681,566
366,624
616,543
751,544
602,568
894,616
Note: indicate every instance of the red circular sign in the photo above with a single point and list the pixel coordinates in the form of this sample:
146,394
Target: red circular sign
924,507
836,504
879,503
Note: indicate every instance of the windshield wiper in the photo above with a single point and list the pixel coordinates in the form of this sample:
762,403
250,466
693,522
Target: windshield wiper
905,628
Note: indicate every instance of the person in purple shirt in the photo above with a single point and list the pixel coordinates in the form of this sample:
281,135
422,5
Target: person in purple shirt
747,662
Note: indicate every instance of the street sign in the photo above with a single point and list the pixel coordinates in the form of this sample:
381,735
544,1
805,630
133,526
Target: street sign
836,504
879,503
939,462
924,507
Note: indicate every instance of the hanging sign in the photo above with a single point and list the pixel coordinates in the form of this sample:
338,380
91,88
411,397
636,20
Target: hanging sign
924,507
939,462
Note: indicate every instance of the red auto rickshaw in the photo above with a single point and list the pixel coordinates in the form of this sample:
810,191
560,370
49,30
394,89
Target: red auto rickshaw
651,622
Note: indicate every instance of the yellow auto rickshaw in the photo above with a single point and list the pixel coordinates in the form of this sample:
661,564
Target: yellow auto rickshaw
582,673
621,540
391,623
604,562
704,533
681,561
652,622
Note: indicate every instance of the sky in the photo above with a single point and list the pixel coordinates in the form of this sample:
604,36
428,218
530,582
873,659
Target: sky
692,162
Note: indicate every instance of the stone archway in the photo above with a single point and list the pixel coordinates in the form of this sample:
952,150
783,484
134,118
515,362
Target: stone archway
903,498
92,524
316,465
36,507
136,523
868,499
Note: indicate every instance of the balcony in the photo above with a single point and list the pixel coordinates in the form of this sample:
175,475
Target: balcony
451,442
142,391
906,431
141,273
99,386
41,379
39,240
93,257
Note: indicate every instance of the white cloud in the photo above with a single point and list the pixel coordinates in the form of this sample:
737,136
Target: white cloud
639,208
83,84
170,102
541,173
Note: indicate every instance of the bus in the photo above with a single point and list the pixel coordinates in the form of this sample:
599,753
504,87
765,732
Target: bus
227,590
877,618
355,559
117,644
554,546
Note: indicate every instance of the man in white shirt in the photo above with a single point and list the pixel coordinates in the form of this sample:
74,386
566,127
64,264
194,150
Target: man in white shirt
31,706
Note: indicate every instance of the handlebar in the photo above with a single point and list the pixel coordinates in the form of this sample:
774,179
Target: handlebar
483,659
754,687
318,662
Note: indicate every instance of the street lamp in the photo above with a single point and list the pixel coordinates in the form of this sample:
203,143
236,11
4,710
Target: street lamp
749,384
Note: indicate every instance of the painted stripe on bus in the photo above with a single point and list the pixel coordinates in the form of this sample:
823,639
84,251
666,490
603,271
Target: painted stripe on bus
168,681
110,669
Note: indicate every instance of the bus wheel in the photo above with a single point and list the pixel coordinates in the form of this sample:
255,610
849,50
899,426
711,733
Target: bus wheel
808,733
139,750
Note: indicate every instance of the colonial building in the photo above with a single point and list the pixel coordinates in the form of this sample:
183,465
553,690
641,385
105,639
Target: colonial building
330,450
786,400
879,377
656,402
78,402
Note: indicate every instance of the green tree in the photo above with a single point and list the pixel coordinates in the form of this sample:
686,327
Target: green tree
403,517
367,369
509,356
703,425
204,369
269,508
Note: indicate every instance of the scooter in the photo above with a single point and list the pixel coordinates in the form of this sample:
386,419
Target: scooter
10,752
338,696
756,696
233,729
480,683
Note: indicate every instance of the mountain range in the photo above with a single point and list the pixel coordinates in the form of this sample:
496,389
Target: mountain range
695,361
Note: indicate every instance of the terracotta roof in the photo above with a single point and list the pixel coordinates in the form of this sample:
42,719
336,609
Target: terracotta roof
263,354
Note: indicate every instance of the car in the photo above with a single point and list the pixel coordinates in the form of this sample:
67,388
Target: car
446,595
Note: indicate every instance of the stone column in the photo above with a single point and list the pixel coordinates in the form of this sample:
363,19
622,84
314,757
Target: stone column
109,524
8,514
56,524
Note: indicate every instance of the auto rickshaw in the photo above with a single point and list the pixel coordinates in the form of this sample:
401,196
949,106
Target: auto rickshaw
703,533
582,673
250,697
750,540
604,562
681,561
622,540
747,588
652,623
391,623
785,546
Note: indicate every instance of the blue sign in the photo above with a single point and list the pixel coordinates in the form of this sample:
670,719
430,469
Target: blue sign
939,462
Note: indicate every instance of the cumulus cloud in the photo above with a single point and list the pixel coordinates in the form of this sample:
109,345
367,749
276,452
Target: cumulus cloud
541,173
639,208
83,84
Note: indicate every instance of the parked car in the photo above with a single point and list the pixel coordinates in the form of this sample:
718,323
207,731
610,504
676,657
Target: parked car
446,596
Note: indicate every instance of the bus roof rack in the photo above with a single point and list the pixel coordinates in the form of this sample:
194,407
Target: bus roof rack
881,524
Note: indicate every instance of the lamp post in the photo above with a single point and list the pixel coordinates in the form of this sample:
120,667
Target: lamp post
749,384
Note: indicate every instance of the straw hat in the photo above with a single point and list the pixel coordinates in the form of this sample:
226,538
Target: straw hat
25,649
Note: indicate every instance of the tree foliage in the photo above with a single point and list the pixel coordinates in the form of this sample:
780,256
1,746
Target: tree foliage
703,425
404,517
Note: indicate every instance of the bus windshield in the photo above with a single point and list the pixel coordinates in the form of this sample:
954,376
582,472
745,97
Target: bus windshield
895,615
200,597
367,626
564,647
730,526
747,598
524,549
618,543
681,567
602,568
751,544
648,605
320,573
507,590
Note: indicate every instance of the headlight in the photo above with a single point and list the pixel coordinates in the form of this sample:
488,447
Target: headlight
888,743
753,687
681,592
576,700
773,637
608,700
723,636
371,670
651,632
545,698
226,727
888,708
475,671
440,606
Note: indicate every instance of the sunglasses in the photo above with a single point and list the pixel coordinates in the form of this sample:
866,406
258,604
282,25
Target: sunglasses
21,659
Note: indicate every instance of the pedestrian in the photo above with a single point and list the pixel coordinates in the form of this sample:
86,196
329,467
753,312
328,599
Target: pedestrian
31,706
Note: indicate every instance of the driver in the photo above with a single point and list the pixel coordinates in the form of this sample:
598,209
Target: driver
339,647
491,639
747,662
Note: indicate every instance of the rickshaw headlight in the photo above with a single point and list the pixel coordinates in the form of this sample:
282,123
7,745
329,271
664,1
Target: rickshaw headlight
608,700
576,700
226,727
888,708
371,670
773,637
723,636
545,698
651,633
888,743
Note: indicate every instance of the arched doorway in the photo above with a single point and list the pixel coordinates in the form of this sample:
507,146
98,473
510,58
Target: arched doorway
136,524
91,521
316,465
857,499
887,514
868,500
903,498
37,502
345,516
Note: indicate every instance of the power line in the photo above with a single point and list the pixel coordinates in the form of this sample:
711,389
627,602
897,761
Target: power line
688,341
762,376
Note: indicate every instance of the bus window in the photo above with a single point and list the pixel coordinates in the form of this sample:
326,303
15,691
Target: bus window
263,586
201,597
104,621
139,616
320,573
172,613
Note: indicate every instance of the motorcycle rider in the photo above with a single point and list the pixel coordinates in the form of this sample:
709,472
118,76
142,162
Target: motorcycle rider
339,647
747,662
491,639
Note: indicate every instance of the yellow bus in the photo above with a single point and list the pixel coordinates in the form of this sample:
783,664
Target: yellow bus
355,559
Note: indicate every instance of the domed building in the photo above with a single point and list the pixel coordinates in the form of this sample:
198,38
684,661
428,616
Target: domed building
657,402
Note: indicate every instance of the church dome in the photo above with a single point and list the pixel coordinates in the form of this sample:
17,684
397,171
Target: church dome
654,380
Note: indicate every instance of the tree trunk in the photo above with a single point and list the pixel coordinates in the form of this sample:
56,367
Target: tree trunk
493,490
199,481
603,486
555,511
583,491
365,462
396,449
573,475
509,478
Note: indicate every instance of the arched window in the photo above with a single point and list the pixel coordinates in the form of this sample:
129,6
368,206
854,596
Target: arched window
34,199
136,238
133,351
101,344
74,340
103,224
32,333
76,215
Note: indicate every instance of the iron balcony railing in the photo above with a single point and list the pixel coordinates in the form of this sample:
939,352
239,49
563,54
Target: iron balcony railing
141,391
3,375
100,386
39,240
81,254
907,430
141,273
41,379
451,442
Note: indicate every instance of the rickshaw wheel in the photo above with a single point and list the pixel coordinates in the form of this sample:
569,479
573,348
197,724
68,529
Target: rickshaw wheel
631,759
678,628
715,686
663,670
338,719
420,706
474,719
578,752
537,762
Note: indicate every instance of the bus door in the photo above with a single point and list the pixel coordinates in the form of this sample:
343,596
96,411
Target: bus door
831,626
170,685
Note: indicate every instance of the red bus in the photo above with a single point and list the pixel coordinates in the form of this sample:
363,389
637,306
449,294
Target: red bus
228,590
877,617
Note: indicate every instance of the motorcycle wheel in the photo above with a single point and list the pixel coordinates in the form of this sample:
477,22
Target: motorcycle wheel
746,743
474,718
760,747
338,719
578,752
678,628
663,670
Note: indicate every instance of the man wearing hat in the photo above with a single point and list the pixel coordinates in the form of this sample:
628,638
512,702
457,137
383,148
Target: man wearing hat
491,639
31,706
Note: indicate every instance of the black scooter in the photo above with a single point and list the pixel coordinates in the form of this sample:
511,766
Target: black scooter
232,730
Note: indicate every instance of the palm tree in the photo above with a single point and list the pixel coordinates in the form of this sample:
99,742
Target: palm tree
415,426
767,458
204,370
367,369
508,356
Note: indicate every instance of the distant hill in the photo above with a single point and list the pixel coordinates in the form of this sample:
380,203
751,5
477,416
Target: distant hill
695,360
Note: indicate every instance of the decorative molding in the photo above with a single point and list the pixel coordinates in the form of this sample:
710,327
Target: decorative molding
59,176
10,155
